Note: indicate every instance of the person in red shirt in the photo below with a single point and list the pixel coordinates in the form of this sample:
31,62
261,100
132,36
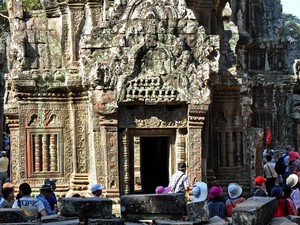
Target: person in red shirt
285,205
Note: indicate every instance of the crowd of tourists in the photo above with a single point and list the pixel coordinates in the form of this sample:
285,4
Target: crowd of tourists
43,204
279,180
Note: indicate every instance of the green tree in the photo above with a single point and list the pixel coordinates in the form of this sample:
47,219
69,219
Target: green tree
32,4
291,27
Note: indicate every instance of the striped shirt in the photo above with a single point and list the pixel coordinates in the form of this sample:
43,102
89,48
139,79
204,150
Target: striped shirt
182,184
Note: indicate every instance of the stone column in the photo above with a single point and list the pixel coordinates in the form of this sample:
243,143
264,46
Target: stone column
75,21
196,117
111,160
15,162
80,176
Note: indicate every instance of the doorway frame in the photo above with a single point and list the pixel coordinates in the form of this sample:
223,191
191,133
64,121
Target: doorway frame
150,132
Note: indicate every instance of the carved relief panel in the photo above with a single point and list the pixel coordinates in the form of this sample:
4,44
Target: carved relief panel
45,146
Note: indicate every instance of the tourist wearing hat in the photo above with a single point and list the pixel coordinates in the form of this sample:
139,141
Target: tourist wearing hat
179,182
32,207
234,197
52,198
293,182
258,190
294,163
162,190
285,205
45,193
270,174
199,192
96,190
216,204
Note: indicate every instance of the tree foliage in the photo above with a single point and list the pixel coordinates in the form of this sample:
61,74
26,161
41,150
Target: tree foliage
292,27
32,4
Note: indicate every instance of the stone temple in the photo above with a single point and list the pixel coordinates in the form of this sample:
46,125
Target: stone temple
118,92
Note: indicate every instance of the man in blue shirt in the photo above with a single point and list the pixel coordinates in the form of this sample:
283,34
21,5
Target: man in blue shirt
45,193
52,198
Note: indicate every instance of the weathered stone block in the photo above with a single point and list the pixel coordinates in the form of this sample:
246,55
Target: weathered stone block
67,222
282,221
197,212
295,219
9,215
55,218
254,211
113,221
25,223
153,206
86,207
172,222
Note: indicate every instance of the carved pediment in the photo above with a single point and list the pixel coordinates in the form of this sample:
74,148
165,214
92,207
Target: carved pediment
155,52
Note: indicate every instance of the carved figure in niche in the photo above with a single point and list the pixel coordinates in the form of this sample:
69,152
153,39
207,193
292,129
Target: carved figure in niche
178,47
158,61
296,67
203,70
191,29
181,7
115,11
122,80
182,66
170,32
161,31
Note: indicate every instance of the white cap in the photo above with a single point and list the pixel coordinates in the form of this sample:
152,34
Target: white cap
96,187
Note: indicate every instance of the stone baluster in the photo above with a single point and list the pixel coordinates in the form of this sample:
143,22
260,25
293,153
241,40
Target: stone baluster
125,188
238,149
223,148
53,153
45,153
37,153
230,149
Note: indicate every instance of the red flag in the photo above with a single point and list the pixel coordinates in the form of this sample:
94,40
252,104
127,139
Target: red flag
269,136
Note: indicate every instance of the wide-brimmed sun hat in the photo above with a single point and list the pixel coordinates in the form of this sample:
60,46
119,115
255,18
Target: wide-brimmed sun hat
96,187
162,190
234,190
199,192
292,180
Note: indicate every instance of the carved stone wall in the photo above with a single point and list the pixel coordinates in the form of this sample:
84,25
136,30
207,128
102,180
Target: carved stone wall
88,77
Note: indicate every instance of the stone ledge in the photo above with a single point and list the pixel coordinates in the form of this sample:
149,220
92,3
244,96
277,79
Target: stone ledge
152,207
100,208
282,221
254,211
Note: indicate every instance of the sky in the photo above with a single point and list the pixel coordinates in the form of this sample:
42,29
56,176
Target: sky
291,7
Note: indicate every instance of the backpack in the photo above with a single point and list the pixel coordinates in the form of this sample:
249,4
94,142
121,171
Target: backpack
280,166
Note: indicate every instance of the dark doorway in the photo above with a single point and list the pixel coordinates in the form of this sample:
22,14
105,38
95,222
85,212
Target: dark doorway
154,163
